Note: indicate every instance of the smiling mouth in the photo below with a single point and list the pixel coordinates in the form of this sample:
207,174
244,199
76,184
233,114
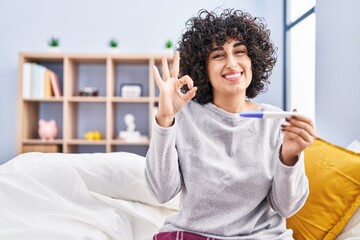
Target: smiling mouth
233,77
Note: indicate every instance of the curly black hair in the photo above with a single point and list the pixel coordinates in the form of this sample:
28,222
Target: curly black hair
208,28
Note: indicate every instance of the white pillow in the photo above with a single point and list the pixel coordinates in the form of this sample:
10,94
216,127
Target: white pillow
354,146
352,228
119,175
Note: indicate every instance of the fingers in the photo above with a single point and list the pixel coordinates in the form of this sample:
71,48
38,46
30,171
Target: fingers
300,127
303,139
190,94
190,84
175,66
157,77
165,68
304,123
179,83
305,119
167,80
185,80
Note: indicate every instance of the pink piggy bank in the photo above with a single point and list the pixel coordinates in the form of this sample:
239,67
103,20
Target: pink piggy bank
47,129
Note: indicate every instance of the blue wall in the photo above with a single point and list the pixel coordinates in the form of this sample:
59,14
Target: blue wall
87,25
337,66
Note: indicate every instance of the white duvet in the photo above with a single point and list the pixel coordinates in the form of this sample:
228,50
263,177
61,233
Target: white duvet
78,196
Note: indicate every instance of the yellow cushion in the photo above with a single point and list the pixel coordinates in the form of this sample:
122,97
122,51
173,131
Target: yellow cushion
334,182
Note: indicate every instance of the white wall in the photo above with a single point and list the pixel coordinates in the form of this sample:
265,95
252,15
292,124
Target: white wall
87,25
337,70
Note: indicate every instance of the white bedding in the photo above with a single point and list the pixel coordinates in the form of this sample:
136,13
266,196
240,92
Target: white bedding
78,196
86,196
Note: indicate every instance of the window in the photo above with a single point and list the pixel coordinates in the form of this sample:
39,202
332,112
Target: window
296,9
299,56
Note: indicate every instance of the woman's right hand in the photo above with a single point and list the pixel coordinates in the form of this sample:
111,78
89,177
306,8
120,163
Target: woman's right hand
171,99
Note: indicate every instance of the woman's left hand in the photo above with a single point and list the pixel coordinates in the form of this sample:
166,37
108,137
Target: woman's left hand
299,133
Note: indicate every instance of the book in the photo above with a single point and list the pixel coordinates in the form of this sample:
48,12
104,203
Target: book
47,82
38,82
32,80
26,83
55,84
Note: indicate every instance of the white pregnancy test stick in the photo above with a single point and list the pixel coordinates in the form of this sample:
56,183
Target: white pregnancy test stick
267,114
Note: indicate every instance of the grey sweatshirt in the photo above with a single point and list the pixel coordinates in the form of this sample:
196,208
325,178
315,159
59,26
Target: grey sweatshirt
232,182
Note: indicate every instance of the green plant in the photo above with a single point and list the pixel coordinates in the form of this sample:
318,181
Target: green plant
54,42
113,43
168,44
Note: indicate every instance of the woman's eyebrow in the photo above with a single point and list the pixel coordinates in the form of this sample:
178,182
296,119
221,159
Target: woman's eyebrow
238,44
217,49
221,48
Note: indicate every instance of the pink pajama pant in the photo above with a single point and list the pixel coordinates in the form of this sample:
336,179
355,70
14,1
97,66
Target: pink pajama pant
179,236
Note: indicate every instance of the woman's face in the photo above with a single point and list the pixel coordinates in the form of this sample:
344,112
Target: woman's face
229,69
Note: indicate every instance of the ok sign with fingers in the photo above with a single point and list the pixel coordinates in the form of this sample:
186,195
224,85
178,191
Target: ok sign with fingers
171,99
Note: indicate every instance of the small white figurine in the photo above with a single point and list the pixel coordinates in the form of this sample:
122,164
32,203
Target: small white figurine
130,122
130,133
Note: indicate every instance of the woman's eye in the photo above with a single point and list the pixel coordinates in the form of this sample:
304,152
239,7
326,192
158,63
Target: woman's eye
218,55
240,52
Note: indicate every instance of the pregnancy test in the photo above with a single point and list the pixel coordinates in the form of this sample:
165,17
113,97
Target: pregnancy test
267,114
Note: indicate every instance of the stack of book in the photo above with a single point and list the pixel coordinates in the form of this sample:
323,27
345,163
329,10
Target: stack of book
39,82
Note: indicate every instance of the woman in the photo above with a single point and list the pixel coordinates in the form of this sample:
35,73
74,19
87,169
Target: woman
239,178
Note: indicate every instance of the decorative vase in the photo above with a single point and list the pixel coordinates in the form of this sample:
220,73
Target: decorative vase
54,49
114,49
169,51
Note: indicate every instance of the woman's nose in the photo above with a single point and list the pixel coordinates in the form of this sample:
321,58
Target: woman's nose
231,62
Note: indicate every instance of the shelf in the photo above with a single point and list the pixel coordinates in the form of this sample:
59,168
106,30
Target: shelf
130,142
87,99
86,142
130,100
75,115
43,99
43,142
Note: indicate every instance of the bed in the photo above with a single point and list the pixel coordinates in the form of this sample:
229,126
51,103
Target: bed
104,196
78,196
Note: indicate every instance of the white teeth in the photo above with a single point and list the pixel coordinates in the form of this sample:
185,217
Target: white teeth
233,75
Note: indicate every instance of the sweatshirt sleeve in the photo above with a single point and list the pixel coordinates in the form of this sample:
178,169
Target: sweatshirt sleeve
290,187
163,178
